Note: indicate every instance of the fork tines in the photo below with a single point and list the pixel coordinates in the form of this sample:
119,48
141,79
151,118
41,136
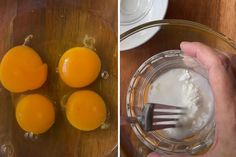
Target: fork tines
160,116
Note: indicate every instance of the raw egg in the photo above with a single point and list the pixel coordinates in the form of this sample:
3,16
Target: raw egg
79,66
35,113
85,110
22,69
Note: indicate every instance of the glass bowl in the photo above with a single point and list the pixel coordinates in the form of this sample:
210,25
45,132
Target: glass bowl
57,26
171,34
137,97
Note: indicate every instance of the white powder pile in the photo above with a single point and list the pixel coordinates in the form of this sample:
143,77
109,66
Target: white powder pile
188,89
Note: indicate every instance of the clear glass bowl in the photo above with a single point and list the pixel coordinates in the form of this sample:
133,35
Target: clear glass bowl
137,97
171,34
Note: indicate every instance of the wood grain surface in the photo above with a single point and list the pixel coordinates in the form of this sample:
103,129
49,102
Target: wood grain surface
217,14
56,26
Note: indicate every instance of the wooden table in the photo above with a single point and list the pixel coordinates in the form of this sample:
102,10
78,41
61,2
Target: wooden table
217,14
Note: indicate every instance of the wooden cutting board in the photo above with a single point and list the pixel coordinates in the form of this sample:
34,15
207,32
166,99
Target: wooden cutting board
217,14
56,26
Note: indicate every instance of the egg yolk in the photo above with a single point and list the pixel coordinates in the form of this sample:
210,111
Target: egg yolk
85,110
22,69
35,113
79,66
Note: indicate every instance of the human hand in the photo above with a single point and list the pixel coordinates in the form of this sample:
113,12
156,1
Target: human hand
222,80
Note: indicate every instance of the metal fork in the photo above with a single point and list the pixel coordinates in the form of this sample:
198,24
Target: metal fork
156,116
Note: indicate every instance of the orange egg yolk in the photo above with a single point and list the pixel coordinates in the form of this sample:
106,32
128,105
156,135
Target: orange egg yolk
85,110
79,67
35,113
22,69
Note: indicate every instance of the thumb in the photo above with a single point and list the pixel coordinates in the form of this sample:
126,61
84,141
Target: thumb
221,81
216,64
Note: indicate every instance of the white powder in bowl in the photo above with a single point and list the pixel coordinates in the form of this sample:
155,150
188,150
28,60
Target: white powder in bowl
188,89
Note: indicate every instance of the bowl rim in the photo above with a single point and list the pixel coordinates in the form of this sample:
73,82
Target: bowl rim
177,22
